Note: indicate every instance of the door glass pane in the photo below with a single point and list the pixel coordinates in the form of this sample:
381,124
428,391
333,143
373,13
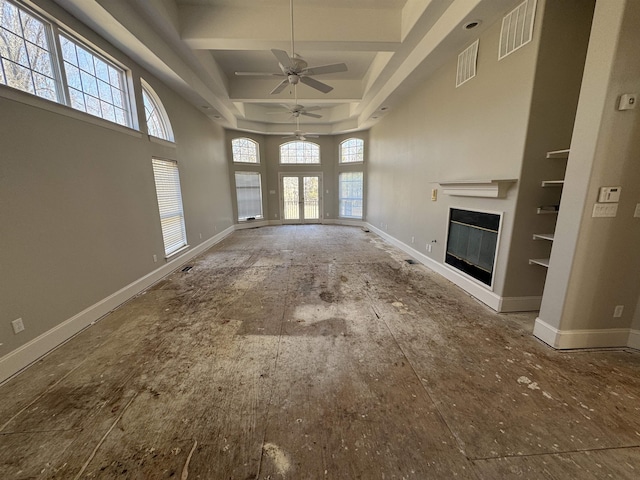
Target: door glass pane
291,196
311,211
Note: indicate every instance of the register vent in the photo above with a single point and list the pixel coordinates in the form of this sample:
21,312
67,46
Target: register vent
517,28
467,61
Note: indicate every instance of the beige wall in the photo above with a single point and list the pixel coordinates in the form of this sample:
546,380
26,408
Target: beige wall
594,260
270,170
78,205
443,133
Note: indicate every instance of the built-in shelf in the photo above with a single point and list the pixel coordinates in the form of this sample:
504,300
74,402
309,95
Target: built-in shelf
478,188
539,261
552,183
561,154
543,236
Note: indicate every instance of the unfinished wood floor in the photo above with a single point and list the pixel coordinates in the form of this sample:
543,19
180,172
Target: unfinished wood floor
316,352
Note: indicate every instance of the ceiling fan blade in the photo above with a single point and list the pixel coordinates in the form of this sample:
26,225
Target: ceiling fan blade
258,74
321,70
311,109
283,57
281,86
313,83
307,114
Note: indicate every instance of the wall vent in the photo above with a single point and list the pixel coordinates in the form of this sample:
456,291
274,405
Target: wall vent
517,28
467,64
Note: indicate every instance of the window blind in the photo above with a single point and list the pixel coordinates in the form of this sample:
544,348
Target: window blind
249,195
167,180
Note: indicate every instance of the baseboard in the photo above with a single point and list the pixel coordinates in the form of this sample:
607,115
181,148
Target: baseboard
487,297
634,339
25,355
251,224
520,304
343,221
568,339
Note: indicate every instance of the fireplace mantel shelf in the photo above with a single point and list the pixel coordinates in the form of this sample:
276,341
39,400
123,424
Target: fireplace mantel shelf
478,188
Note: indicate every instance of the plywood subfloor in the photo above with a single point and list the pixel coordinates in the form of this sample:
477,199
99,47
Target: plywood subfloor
316,352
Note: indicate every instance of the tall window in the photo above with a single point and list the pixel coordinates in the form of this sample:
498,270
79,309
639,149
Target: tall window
157,120
249,195
350,194
245,150
299,152
26,53
352,150
169,196
30,61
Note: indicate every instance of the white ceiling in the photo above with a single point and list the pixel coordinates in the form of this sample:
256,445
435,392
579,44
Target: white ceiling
196,46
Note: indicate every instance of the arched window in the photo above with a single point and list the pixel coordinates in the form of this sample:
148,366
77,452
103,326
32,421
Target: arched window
245,150
299,152
157,120
352,151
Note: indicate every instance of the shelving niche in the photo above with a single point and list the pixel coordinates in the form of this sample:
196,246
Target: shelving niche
549,209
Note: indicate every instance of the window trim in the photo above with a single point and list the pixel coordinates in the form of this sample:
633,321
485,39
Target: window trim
254,143
159,107
62,105
341,146
306,142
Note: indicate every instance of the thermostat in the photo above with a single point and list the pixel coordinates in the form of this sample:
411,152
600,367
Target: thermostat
609,194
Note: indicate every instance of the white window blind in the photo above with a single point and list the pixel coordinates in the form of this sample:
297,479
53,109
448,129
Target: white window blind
167,180
350,189
249,195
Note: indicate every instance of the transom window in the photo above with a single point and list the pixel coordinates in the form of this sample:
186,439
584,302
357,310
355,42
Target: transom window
31,61
352,151
25,53
245,150
299,152
157,120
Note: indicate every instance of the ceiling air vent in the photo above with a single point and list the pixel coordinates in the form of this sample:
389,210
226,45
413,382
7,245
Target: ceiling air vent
467,64
517,28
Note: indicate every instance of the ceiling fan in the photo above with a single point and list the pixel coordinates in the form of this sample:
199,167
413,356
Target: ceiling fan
299,134
295,69
298,110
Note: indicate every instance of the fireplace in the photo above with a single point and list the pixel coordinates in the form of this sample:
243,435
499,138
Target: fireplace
472,243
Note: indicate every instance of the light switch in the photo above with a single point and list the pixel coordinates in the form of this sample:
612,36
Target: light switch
605,210
434,194
609,194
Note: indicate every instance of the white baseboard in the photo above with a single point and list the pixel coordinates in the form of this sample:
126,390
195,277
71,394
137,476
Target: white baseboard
634,339
487,297
568,339
251,224
343,221
25,355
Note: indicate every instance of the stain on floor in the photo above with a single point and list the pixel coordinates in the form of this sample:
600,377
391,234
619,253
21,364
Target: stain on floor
317,352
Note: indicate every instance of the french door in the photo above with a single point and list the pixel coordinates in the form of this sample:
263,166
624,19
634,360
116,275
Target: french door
301,198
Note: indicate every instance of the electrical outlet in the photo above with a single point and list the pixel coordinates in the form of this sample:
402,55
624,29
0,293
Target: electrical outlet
155,259
200,235
617,312
429,247
18,325
413,239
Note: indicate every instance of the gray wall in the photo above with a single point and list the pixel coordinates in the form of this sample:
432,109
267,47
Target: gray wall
594,265
270,169
78,205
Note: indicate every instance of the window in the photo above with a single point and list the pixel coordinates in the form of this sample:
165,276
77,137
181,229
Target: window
95,85
30,61
352,151
299,152
245,150
350,194
157,120
249,195
167,180
26,59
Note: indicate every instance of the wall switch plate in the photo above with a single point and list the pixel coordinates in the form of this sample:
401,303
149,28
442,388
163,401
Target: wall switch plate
617,312
434,194
18,325
413,239
605,210
627,101
429,247
637,212
609,194
155,259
